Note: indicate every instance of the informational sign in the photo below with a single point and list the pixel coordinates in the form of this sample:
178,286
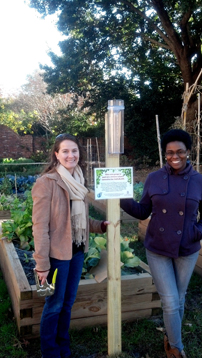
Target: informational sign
113,183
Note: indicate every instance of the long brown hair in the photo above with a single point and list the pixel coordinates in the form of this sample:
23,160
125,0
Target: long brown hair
56,147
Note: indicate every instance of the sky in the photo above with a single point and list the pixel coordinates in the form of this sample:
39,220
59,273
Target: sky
24,42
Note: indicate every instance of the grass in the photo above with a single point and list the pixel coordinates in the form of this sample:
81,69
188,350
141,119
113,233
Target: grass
10,346
140,339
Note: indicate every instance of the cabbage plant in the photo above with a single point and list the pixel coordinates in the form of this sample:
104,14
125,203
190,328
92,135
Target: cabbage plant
98,243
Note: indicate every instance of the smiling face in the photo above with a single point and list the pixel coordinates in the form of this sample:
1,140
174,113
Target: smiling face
68,154
176,155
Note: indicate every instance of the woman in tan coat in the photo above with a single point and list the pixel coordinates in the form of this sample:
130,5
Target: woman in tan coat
61,229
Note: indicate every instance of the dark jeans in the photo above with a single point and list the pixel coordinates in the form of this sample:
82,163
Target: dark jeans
55,320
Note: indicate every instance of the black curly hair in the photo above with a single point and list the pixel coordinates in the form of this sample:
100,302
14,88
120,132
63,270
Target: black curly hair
176,135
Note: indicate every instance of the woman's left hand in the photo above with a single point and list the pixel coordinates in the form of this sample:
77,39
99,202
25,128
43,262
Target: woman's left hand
104,225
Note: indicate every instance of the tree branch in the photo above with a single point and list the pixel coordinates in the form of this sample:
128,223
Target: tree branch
159,44
151,23
174,39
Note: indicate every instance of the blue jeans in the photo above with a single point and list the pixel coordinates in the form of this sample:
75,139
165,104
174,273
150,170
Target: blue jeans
171,278
55,320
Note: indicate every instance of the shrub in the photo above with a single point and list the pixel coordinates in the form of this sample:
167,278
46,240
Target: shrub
138,190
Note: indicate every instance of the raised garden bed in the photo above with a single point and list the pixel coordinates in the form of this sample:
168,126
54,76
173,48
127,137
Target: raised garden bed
5,214
198,267
139,296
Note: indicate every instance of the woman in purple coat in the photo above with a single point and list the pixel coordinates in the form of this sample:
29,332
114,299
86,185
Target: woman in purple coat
173,197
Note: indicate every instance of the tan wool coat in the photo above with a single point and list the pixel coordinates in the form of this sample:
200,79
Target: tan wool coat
52,222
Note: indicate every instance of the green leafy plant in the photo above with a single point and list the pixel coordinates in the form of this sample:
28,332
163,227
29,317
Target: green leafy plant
98,243
20,226
138,190
10,202
6,186
26,258
127,254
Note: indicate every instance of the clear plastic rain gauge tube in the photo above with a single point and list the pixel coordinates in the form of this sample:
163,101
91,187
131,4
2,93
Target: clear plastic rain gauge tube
116,126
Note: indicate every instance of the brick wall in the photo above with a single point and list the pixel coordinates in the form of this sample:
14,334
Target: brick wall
14,146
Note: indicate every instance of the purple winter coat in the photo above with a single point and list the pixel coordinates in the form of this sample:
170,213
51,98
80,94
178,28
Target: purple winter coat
175,205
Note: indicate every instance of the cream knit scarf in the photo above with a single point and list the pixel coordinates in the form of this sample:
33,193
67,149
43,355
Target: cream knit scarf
77,193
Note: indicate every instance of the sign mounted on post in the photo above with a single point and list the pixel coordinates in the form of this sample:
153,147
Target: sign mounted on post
113,183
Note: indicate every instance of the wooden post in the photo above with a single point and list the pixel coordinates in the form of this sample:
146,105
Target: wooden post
87,167
113,266
187,95
98,153
198,134
91,168
159,141
185,104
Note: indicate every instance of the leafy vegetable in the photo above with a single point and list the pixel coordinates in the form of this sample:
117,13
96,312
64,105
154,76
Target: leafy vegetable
20,228
98,243
10,202
20,225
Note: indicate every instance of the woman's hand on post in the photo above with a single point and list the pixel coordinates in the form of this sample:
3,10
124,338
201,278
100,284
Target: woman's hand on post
104,225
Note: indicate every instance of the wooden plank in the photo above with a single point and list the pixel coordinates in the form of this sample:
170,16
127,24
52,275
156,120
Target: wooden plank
14,276
131,303
138,286
15,303
32,303
114,277
198,267
101,320
5,214
16,273
144,266
140,304
7,269
199,261
198,270
96,321
36,330
113,259
29,321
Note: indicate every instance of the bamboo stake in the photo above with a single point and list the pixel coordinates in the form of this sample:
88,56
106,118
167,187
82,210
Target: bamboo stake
91,170
198,135
187,95
87,150
16,190
113,265
159,140
98,153
184,107
194,85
